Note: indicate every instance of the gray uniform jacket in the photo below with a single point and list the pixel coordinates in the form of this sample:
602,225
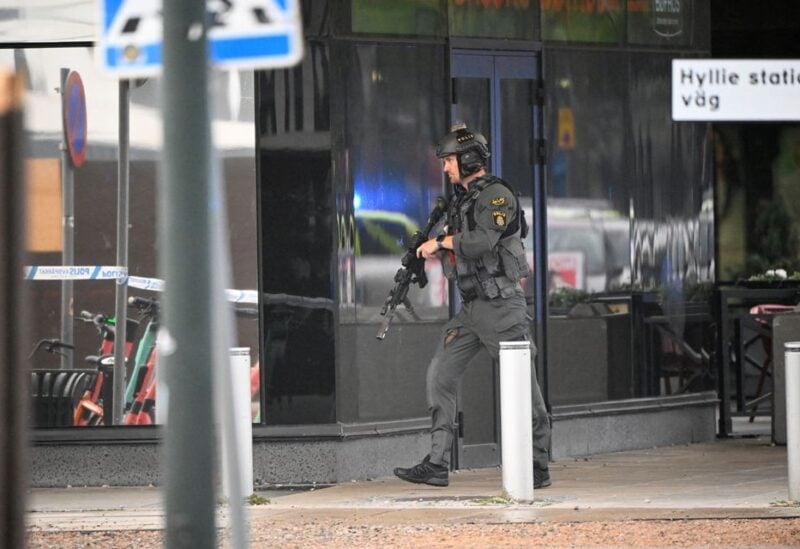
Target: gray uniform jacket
489,259
487,263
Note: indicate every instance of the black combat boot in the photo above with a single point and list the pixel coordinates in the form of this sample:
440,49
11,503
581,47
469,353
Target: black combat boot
541,477
424,473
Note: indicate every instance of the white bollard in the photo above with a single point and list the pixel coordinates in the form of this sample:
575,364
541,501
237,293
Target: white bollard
516,419
792,376
240,378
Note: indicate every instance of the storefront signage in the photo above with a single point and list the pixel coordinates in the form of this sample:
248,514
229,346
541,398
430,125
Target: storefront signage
583,20
735,89
659,21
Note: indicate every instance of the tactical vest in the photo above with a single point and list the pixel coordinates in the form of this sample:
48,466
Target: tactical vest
498,272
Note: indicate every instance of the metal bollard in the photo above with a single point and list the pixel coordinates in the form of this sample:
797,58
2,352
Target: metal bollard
516,417
792,356
243,422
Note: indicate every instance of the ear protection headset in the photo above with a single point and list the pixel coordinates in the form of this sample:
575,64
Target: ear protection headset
470,147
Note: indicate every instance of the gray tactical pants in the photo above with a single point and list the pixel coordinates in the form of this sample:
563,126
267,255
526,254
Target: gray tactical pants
478,324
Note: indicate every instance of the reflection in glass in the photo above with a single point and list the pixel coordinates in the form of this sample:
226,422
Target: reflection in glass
473,106
588,228
296,215
393,96
630,209
516,126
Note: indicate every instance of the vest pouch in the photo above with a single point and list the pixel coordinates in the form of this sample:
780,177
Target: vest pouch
487,284
513,260
508,288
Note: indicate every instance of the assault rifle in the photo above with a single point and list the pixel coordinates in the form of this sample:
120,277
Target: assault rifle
413,270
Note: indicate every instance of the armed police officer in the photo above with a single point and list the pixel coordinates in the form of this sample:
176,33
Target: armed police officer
484,254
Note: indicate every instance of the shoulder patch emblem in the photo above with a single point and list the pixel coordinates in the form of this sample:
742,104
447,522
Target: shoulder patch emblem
499,201
499,218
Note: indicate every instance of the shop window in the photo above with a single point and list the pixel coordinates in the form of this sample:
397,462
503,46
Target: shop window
394,103
297,241
630,232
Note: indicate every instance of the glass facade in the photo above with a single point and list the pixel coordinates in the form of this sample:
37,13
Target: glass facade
394,96
630,231
297,234
330,170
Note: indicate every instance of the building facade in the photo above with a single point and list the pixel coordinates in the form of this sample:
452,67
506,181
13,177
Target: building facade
329,169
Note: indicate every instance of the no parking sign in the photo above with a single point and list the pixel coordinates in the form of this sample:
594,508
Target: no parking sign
75,129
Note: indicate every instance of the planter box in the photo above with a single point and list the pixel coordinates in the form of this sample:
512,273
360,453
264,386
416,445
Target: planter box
589,359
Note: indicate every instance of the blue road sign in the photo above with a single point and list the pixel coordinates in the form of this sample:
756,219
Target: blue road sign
242,34
75,128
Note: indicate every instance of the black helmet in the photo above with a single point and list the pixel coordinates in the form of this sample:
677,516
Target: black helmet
470,147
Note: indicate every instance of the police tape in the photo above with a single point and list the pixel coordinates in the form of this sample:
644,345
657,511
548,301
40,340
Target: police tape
74,272
99,272
157,285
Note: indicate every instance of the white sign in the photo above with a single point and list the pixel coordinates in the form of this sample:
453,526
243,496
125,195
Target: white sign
242,34
735,89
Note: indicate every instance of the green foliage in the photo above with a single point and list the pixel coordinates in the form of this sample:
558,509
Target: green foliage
774,238
566,298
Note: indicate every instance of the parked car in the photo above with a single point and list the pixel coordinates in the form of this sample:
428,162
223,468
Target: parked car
381,240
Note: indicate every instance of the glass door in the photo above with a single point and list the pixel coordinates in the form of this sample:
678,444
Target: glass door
497,95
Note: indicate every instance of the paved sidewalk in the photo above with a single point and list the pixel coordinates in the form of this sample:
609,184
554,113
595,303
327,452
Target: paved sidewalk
732,478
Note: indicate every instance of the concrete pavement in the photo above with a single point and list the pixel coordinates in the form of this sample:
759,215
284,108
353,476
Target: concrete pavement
730,478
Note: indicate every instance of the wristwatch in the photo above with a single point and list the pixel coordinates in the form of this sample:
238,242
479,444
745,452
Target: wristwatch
439,240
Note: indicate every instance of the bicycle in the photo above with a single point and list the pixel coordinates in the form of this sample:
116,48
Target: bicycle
140,392
89,410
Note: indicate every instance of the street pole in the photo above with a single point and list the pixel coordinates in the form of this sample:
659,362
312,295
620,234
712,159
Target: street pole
15,327
68,226
185,339
121,297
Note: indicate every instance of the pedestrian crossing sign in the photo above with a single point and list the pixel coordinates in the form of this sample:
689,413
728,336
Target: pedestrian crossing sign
241,34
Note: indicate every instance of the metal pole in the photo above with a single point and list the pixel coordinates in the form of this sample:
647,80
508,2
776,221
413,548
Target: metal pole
516,419
121,297
68,224
792,356
14,318
185,338
235,437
